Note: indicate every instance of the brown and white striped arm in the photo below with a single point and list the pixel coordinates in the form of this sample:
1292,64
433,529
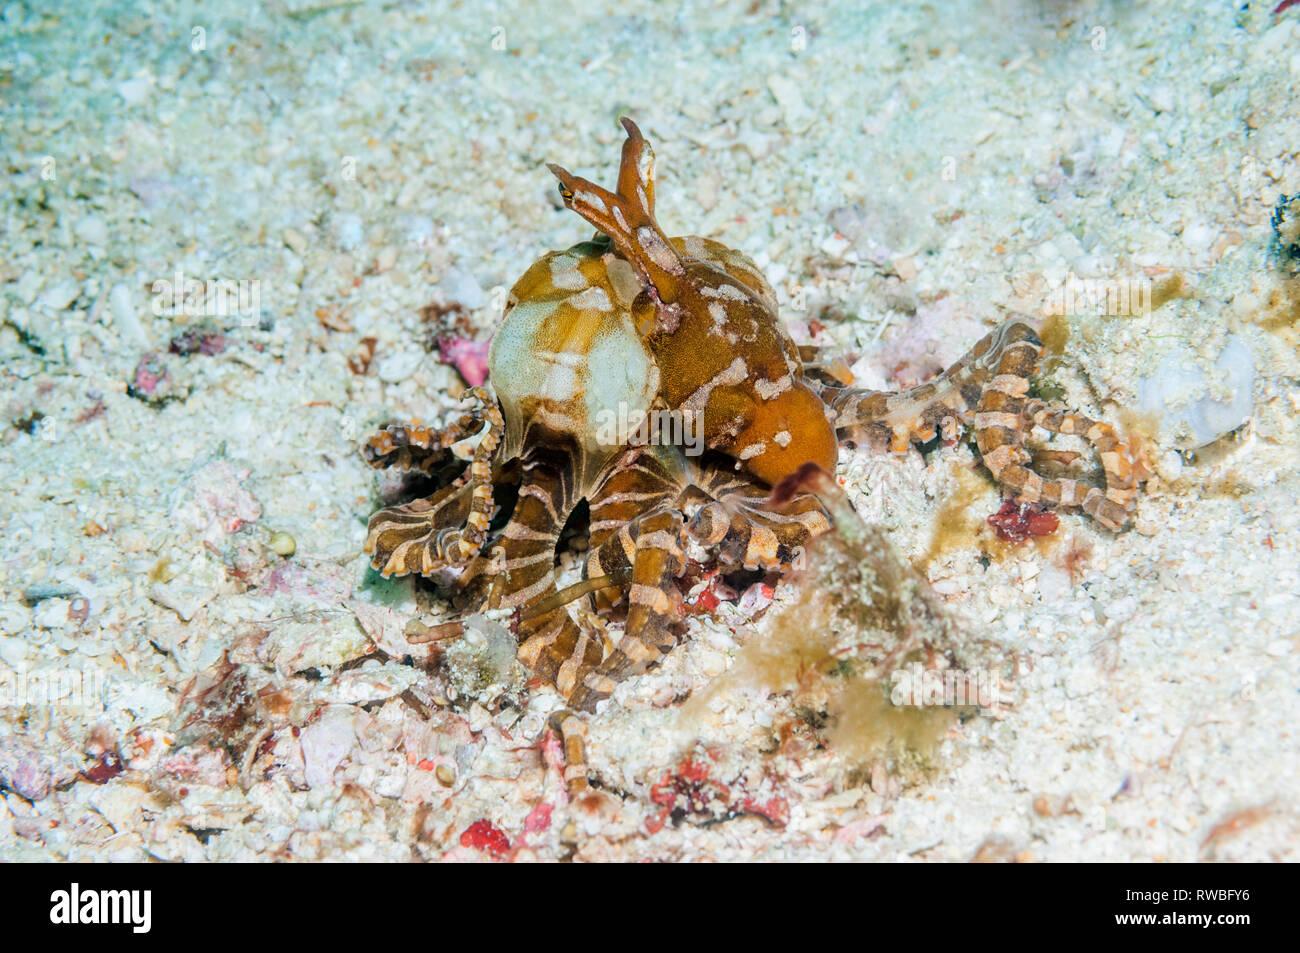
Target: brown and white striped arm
659,558
988,391
417,447
1002,423
414,537
756,535
447,528
641,481
551,644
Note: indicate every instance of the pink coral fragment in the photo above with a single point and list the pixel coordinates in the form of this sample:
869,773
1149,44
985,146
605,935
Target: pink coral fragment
468,357
539,818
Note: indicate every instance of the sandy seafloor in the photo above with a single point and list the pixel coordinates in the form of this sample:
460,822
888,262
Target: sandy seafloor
906,174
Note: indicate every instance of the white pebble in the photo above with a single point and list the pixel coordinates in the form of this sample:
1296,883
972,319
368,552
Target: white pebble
399,366
184,600
326,742
794,110
419,230
835,245
125,318
27,286
1162,99
51,613
347,230
1169,466
13,652
479,718
14,617
135,91
296,240
461,286
92,230
1198,237
60,296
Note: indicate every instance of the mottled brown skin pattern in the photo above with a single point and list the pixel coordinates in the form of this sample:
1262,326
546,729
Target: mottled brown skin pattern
635,318
710,319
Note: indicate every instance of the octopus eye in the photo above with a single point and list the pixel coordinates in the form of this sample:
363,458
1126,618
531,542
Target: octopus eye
566,193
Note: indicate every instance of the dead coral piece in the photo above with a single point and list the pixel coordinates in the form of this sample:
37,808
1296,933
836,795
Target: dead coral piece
692,792
223,709
153,383
1016,522
198,341
362,355
443,322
